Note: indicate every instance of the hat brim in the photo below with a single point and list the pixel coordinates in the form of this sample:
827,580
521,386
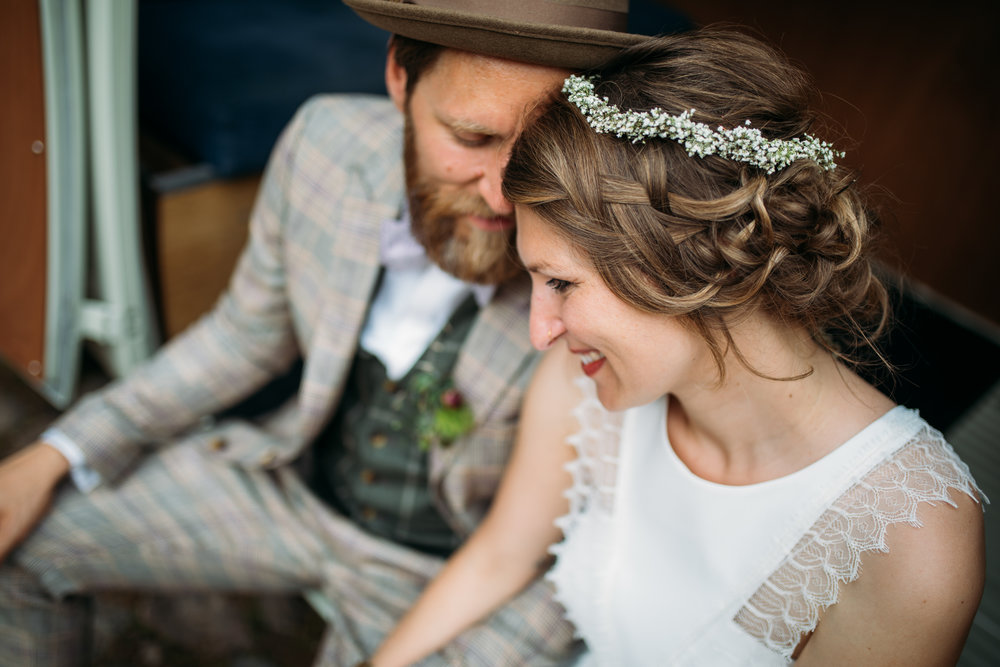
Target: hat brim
557,46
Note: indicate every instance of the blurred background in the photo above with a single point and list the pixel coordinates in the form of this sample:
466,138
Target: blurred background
133,137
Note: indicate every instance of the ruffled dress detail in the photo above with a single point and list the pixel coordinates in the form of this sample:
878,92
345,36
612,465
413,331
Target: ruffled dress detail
591,502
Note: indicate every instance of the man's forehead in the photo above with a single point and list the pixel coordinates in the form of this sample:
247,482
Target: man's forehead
486,63
484,94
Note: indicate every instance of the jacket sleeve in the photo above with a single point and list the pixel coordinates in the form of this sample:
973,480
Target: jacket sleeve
244,341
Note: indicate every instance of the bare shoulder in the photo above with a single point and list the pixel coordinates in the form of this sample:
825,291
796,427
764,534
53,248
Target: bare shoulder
532,493
915,603
933,571
553,387
548,415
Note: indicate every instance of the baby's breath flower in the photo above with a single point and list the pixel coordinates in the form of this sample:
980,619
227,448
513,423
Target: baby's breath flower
740,144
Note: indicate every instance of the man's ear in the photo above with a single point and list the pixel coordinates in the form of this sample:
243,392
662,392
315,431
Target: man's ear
395,79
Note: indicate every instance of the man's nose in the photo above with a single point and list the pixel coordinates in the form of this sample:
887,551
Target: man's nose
491,184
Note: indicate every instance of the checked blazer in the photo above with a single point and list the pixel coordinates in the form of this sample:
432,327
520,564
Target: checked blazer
301,289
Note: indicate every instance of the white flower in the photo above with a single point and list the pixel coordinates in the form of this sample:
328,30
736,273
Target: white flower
741,143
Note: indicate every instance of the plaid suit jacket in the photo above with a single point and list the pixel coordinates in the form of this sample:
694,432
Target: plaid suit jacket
301,289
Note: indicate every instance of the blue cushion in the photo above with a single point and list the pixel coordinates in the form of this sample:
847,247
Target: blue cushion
219,79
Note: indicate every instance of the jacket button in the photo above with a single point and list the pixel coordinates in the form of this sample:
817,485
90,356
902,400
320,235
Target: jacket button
369,514
268,458
367,476
217,444
379,440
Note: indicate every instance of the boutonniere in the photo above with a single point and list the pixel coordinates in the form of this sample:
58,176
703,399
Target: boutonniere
443,415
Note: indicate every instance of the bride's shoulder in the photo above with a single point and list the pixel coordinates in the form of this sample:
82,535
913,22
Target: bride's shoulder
917,594
934,515
558,371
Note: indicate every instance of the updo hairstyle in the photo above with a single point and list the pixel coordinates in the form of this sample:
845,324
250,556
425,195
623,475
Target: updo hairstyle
709,239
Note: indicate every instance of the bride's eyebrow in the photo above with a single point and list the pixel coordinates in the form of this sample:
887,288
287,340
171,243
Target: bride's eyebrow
541,266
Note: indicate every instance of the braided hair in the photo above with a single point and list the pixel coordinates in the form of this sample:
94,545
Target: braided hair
706,238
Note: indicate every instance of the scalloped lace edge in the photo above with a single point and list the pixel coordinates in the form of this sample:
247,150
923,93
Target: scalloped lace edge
594,474
788,604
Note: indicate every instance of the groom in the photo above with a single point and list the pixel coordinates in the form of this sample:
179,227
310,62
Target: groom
380,273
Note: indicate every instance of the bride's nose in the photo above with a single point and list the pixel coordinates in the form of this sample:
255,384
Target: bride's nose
545,326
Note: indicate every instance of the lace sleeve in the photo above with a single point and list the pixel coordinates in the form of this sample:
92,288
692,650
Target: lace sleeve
596,466
580,572
787,605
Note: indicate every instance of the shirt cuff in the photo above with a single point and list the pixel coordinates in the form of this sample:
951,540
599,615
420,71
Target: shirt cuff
84,477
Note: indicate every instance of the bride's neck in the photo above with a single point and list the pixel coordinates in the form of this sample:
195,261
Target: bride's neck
758,423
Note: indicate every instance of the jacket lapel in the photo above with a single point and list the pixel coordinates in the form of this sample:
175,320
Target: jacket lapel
496,353
353,274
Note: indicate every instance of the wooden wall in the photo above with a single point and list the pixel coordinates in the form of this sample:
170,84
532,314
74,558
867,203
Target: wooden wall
915,84
200,232
22,188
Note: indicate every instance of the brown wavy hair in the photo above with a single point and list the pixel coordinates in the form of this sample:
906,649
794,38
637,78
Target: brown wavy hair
708,239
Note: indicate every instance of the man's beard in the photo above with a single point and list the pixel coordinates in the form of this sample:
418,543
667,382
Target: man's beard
465,251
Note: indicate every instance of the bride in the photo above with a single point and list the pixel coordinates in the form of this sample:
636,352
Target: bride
719,485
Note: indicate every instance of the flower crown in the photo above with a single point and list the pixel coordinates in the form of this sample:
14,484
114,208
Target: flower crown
741,143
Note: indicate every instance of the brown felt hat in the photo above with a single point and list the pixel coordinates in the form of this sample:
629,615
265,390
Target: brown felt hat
575,34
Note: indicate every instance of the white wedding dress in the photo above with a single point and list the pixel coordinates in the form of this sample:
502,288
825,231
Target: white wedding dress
660,567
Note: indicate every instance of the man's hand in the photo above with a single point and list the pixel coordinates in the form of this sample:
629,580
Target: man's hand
27,480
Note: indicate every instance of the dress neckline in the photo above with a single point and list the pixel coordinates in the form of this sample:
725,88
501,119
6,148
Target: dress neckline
859,439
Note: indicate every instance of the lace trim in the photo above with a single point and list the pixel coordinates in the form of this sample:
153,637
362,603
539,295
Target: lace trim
788,604
595,470
594,474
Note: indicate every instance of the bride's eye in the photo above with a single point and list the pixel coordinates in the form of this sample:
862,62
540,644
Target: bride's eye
558,286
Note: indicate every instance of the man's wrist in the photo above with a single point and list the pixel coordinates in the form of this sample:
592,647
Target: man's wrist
84,477
50,459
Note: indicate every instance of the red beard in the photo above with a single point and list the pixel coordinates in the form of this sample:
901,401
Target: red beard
463,250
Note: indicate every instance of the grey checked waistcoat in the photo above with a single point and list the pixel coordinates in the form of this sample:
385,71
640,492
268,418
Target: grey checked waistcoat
370,465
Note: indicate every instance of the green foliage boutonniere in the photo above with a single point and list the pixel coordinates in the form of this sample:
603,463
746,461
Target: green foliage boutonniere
443,416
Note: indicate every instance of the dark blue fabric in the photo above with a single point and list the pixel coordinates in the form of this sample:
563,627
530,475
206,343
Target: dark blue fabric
654,17
219,79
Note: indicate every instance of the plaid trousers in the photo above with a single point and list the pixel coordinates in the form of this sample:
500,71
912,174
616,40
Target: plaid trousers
184,520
